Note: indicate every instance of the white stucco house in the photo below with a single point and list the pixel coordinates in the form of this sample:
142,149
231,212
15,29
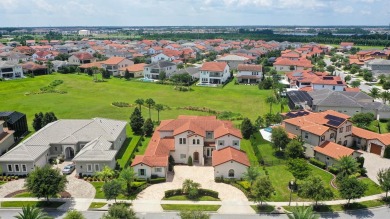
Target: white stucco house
10,70
214,73
249,73
153,70
114,64
90,144
205,139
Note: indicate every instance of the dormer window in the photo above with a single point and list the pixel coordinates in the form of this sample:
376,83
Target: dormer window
209,135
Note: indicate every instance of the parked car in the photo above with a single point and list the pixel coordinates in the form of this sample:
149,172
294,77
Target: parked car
68,169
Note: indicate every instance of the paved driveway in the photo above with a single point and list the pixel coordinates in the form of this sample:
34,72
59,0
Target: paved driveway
373,163
233,200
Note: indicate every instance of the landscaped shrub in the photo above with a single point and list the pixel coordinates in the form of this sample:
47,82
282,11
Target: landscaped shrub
157,180
333,170
207,192
238,186
317,163
218,179
189,161
245,184
121,104
173,192
140,180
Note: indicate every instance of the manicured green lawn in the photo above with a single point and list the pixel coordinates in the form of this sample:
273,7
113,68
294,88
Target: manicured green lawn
125,152
97,204
24,195
100,194
373,188
2,182
263,208
374,127
174,207
183,197
40,204
87,99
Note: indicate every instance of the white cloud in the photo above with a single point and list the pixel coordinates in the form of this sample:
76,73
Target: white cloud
344,10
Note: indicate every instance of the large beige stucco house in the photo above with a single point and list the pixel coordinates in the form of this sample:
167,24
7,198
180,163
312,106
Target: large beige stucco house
207,140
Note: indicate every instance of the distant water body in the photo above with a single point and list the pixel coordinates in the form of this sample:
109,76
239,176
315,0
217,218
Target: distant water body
315,34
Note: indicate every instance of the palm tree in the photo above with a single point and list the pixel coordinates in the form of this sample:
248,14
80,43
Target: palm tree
283,102
385,96
251,174
150,103
159,107
347,166
29,212
49,65
270,100
375,93
300,212
382,78
94,72
105,174
140,102
189,184
128,176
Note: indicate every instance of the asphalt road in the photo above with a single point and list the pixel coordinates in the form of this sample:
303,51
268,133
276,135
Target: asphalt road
377,213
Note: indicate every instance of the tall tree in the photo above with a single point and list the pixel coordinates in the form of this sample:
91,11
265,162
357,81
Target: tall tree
73,214
49,66
140,102
385,95
162,76
159,107
246,128
262,189
127,74
120,211
150,103
351,188
148,127
106,173
270,100
45,182
94,72
375,93
30,212
347,165
136,121
279,138
384,179
355,83
363,119
302,212
283,102
299,168
251,174
294,149
49,117
112,189
37,122
314,188
259,123
128,176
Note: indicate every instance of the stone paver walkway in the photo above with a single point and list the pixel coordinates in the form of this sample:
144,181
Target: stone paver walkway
373,163
229,195
11,186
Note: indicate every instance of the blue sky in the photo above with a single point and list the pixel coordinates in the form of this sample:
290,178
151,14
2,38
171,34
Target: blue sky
18,13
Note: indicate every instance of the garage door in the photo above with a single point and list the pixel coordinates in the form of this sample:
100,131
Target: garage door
376,149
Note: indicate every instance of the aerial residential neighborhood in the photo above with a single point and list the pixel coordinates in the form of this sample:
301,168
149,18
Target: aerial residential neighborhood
194,110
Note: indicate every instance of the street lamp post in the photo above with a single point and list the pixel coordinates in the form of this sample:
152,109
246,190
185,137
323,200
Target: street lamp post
291,186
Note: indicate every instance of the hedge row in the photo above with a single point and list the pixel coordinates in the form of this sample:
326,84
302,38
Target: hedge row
157,180
202,192
317,163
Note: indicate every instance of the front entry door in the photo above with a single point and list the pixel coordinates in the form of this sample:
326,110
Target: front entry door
196,156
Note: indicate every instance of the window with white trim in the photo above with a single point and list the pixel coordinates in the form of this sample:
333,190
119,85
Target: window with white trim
24,168
9,167
236,142
197,141
89,167
97,167
141,172
306,135
158,169
221,142
182,156
231,173
17,168
193,141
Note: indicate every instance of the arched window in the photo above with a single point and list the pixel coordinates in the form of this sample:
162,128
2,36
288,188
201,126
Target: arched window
193,141
231,173
197,141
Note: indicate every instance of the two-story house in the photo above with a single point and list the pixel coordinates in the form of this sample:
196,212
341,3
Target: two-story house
214,73
10,70
6,138
320,129
81,58
114,64
249,74
153,70
205,139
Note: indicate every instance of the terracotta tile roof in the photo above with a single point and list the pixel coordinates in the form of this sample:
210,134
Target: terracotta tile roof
83,56
214,66
229,154
333,150
114,60
287,62
247,67
151,161
134,68
346,44
315,129
352,89
92,64
307,89
366,134
329,80
32,66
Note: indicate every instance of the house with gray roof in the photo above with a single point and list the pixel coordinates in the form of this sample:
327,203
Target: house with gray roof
153,70
378,66
90,144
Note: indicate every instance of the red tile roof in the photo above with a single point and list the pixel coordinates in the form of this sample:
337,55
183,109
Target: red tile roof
134,68
214,66
229,154
83,56
247,67
114,60
333,150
